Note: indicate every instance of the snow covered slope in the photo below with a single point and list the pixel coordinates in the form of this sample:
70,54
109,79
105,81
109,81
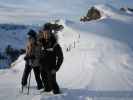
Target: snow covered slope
14,11
97,66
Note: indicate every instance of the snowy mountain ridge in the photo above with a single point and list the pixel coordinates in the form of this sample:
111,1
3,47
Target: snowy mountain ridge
109,11
24,11
97,66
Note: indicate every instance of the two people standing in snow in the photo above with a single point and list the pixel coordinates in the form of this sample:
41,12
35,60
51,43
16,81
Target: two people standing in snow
48,56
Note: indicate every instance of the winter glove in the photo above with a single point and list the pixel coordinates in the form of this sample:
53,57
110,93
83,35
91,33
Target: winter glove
29,57
32,57
57,68
26,58
53,71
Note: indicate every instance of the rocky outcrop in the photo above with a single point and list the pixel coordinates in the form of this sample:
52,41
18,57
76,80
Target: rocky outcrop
93,14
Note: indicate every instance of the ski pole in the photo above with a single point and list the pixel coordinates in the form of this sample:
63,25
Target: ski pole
22,88
29,83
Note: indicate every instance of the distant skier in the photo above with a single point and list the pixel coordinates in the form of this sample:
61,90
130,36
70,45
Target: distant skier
51,59
31,60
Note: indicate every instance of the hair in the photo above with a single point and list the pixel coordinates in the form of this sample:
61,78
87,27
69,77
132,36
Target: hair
53,38
30,45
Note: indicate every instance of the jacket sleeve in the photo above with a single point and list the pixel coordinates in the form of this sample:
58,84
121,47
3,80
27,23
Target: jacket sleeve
59,56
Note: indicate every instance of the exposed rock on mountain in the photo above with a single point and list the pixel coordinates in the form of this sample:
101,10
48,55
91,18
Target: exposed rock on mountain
93,14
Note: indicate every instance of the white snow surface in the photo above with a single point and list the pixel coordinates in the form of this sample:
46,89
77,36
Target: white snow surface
38,11
97,67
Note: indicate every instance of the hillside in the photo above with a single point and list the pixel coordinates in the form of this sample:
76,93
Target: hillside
23,12
98,55
97,66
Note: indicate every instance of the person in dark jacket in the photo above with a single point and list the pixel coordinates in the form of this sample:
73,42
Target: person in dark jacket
31,60
51,60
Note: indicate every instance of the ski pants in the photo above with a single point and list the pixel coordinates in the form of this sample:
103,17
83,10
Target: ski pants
26,73
49,81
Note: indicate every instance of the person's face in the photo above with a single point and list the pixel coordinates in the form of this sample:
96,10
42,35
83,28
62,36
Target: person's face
32,40
46,35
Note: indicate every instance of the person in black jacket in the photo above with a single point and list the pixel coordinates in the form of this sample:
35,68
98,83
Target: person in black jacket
51,60
31,61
